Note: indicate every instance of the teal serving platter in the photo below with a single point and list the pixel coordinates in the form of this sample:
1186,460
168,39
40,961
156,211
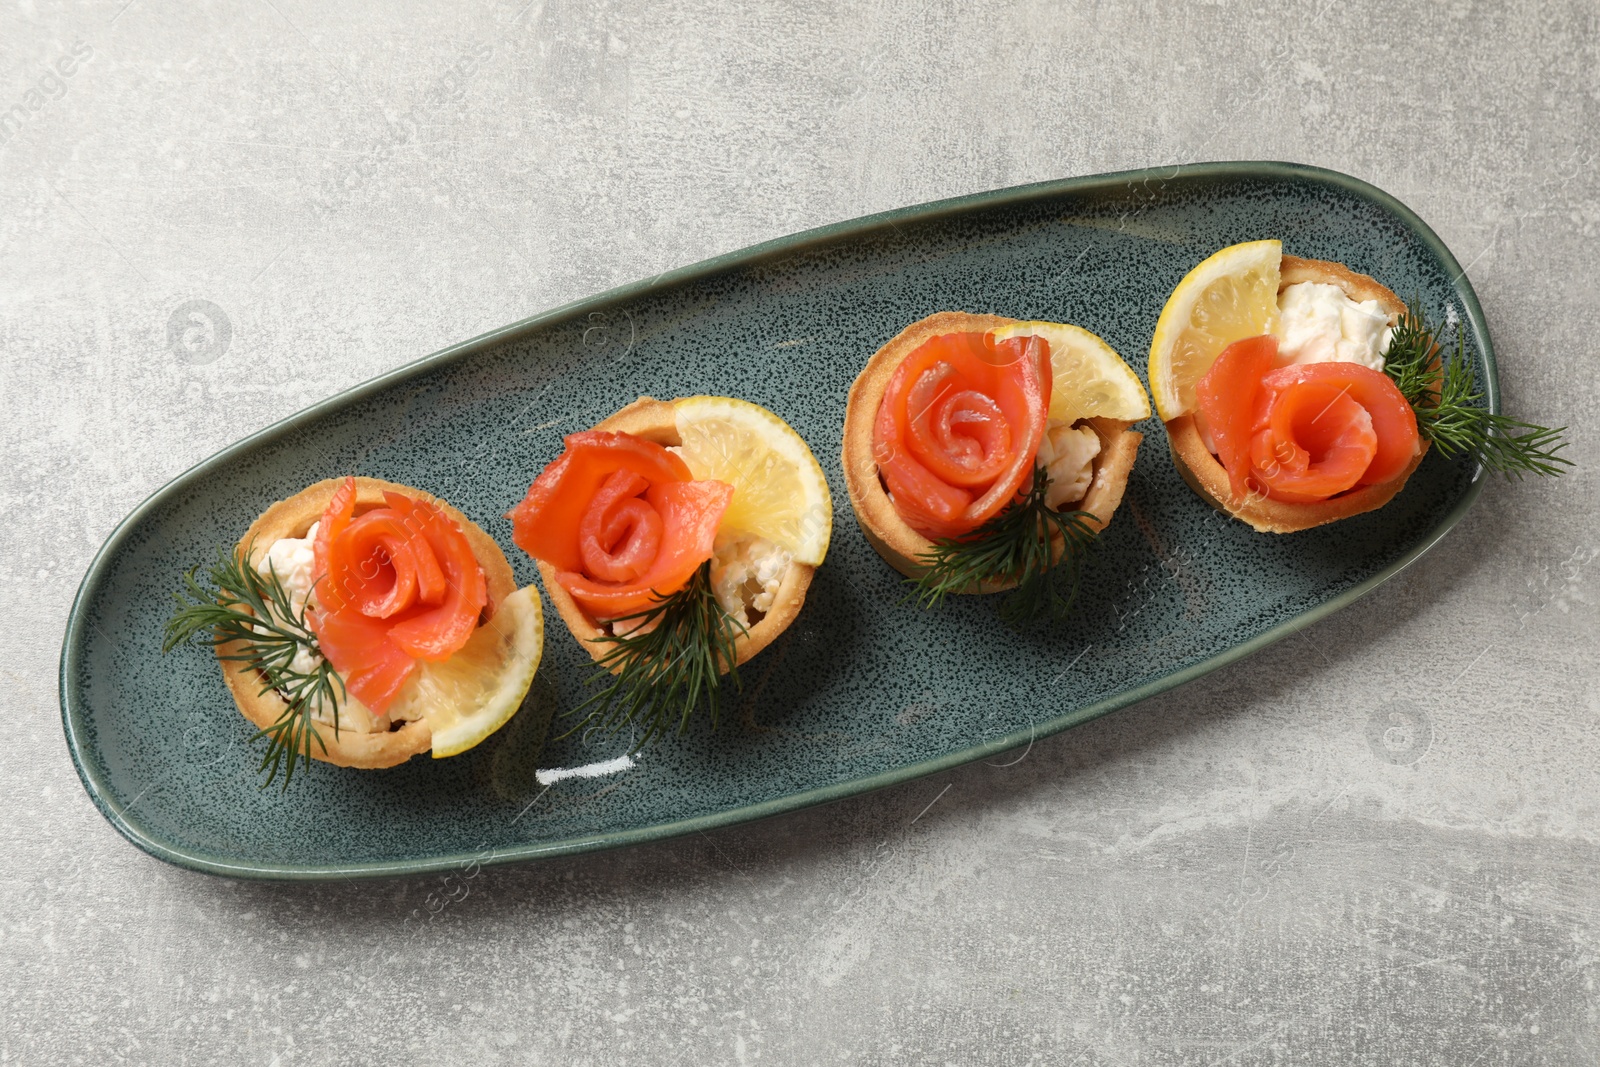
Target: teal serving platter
865,689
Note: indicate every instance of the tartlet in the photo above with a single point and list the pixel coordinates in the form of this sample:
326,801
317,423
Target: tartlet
547,526
1206,474
350,746
655,420
886,530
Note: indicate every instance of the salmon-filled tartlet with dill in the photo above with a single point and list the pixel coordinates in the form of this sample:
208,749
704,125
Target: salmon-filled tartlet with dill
1297,392
985,454
361,622
676,539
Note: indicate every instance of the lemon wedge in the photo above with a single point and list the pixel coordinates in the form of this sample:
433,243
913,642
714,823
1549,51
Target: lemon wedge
779,492
1090,380
469,696
1228,297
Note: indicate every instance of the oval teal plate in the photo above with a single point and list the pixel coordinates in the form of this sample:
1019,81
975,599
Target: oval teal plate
864,690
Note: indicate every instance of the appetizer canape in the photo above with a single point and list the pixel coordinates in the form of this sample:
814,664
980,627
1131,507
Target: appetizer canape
676,540
1296,392
984,454
361,622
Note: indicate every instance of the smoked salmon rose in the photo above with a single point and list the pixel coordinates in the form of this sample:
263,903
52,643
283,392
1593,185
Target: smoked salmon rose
622,521
1304,433
398,583
959,426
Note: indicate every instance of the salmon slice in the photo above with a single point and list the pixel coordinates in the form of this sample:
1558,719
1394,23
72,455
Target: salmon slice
1393,420
396,584
959,427
451,600
372,666
1304,433
621,520
1315,441
1228,395
335,518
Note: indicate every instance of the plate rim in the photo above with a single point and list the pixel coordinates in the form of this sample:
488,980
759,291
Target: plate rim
73,637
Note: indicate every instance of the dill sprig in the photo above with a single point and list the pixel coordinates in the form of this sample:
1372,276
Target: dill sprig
234,602
1444,394
1016,544
670,663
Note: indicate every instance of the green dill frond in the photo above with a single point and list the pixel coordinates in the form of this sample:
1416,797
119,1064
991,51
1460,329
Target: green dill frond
235,603
670,664
1444,394
1015,545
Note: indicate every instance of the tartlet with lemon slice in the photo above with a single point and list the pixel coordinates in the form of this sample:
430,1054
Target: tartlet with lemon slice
1297,392
982,452
676,539
361,622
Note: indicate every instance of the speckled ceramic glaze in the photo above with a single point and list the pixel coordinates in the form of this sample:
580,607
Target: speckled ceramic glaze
865,689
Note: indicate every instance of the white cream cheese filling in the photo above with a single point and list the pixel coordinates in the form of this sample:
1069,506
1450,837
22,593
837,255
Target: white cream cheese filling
745,575
1318,323
1068,453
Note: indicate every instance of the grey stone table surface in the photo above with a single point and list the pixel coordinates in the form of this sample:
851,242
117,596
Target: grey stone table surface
1373,843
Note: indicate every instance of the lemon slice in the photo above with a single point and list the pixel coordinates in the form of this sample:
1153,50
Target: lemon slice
469,696
1228,297
779,492
1090,380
